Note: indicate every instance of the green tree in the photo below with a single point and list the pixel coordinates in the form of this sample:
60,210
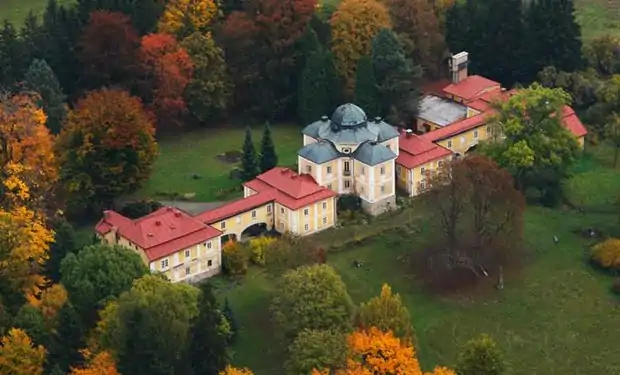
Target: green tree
12,59
268,156
531,141
148,329
41,79
366,90
65,242
232,321
32,321
603,54
319,87
314,349
210,335
311,297
480,356
209,91
68,339
144,13
98,273
612,133
396,78
387,313
249,167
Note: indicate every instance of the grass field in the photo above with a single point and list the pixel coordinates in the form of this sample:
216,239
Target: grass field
194,153
556,316
17,10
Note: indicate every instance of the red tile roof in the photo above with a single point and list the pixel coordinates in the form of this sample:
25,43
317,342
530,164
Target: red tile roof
238,206
289,182
471,87
457,127
415,151
160,233
572,122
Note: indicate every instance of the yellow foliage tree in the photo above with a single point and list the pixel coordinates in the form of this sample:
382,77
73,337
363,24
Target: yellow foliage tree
258,247
101,363
353,25
28,167
52,299
236,371
183,17
607,253
18,356
24,242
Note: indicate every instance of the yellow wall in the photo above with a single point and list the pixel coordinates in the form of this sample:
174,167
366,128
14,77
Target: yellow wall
471,112
303,165
460,143
386,180
420,125
238,223
361,172
410,179
581,141
315,217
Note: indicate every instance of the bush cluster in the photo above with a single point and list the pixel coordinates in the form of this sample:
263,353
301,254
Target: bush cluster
607,254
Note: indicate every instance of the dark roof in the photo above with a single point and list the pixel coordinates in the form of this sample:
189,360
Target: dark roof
319,152
371,153
348,115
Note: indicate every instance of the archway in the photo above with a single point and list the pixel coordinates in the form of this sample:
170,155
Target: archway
228,237
253,230
471,150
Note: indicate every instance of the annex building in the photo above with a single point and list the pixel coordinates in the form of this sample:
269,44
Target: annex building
346,153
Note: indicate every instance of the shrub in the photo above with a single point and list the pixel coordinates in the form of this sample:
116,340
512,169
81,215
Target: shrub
349,202
234,261
607,254
615,287
138,209
258,246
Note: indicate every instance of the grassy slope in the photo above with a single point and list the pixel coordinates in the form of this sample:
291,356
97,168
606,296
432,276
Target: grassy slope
598,17
16,10
556,316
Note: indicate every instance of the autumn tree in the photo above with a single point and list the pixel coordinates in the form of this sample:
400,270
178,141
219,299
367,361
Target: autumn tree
538,149
416,20
148,328
268,158
480,356
354,24
28,166
101,363
316,349
290,252
184,17
311,297
366,90
41,80
18,356
249,166
109,50
236,371
478,218
261,45
51,300
98,273
107,148
166,71
387,313
144,13
209,91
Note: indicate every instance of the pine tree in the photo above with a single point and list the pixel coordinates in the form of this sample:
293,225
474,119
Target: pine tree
366,91
249,168
41,79
12,59
268,156
232,321
314,89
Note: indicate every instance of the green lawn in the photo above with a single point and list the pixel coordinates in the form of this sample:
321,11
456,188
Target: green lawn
556,316
195,153
17,10
598,17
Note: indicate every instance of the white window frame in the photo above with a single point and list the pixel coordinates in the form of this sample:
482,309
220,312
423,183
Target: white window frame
164,263
450,144
324,205
308,168
188,253
324,219
223,225
269,208
306,227
306,212
347,184
188,271
209,246
475,134
329,169
253,214
382,171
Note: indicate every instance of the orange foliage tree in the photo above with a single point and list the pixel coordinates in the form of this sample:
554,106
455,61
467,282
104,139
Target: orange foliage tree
167,69
28,167
374,352
107,147
100,363
51,301
183,17
18,356
236,371
354,24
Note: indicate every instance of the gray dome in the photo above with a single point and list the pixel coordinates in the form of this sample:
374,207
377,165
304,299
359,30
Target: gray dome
348,115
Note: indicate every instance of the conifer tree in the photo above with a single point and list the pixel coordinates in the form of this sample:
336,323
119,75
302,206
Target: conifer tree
268,156
232,321
12,64
366,91
249,167
41,79
314,86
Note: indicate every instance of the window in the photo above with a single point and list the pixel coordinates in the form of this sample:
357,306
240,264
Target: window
449,144
363,171
164,263
309,168
440,163
422,170
281,210
347,166
324,205
388,147
253,214
382,189
269,209
210,263
329,186
238,219
306,227
208,245
329,169
382,171
325,220
347,184
476,134
306,212
489,129
188,271
188,253
223,225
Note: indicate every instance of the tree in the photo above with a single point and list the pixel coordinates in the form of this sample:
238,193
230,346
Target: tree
98,273
354,24
319,86
210,334
41,79
395,77
537,149
417,21
25,242
67,339
144,13
32,322
480,356
249,167
28,166
612,132
12,59
51,300
65,242
18,356
603,54
311,297
316,349
109,50
234,259
232,321
208,92
107,147
268,156
290,252
96,364
387,313
184,17
478,216
366,89
236,371
166,72
148,328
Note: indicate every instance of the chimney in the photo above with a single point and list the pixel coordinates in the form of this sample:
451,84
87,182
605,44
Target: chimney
324,118
377,119
409,133
158,223
177,213
458,66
